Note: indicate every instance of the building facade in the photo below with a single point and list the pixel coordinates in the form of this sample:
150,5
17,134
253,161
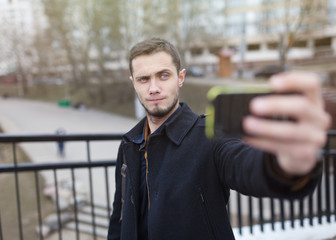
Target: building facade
250,34
273,32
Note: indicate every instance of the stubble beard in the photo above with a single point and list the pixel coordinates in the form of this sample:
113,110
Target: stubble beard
159,112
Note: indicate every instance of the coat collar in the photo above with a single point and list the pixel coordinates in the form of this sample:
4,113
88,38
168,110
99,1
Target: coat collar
176,128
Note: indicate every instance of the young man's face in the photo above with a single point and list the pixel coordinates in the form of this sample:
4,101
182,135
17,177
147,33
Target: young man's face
156,82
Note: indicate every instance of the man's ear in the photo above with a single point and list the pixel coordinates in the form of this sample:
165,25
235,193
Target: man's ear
182,77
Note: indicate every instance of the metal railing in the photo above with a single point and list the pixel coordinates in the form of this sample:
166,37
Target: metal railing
243,210
37,168
321,204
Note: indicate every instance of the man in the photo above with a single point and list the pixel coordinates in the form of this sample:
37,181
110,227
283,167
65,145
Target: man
173,183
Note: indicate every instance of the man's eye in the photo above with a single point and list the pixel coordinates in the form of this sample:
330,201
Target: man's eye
165,76
142,79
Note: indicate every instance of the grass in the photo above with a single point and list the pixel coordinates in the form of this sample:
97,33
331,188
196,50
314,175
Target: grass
119,95
195,96
28,201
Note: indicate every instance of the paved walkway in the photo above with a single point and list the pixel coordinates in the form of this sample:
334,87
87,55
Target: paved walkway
27,116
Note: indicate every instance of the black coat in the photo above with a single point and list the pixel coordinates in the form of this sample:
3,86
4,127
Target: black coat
190,177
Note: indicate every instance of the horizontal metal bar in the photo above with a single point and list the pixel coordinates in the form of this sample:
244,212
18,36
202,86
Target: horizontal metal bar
75,137
6,138
331,133
329,151
26,167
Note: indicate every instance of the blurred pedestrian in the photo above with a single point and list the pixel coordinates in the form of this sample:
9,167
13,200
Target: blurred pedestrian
60,144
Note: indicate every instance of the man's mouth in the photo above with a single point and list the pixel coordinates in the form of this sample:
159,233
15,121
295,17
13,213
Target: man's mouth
155,100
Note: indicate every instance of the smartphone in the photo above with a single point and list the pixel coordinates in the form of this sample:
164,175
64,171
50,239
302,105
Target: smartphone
228,105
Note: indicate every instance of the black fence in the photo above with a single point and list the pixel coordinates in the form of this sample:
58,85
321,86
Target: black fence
90,214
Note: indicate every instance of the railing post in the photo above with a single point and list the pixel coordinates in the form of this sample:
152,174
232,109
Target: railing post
75,202
91,191
1,234
272,213
58,207
327,179
38,204
261,214
107,193
239,213
250,214
319,201
282,214
291,207
301,212
17,189
310,207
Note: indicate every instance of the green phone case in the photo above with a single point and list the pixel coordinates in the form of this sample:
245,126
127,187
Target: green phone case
227,106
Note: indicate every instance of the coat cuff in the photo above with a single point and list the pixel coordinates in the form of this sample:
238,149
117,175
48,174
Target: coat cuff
278,178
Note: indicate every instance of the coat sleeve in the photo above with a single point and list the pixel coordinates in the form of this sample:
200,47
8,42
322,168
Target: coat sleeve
247,170
115,224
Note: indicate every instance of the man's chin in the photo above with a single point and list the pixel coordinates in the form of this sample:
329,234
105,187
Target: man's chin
158,112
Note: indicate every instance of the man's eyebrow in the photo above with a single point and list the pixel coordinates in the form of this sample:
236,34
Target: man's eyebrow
157,73
142,76
163,70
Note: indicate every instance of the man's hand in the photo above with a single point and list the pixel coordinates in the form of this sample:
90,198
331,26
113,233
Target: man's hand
295,143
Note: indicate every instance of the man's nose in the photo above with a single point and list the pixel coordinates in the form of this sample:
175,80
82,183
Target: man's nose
154,87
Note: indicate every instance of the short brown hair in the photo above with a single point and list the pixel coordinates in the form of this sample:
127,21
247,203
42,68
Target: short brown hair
154,45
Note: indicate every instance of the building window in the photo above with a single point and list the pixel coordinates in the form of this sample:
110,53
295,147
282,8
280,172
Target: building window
253,47
300,44
235,3
196,51
323,42
272,45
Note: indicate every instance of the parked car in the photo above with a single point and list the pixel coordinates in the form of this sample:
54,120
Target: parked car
194,71
56,81
270,70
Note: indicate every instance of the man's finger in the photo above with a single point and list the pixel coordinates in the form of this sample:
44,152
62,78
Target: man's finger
295,107
307,84
284,131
